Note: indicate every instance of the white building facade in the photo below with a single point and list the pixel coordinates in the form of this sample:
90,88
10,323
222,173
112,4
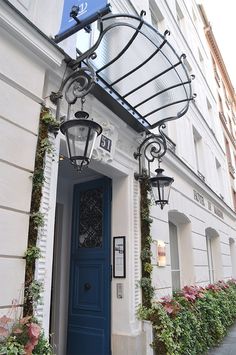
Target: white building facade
81,290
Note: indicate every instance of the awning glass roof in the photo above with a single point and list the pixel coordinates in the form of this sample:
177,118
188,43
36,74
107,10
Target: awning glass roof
140,69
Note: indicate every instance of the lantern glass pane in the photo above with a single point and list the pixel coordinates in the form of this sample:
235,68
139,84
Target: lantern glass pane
158,191
81,141
161,189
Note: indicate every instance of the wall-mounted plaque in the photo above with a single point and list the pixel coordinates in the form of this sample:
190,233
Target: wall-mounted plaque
161,253
119,257
105,143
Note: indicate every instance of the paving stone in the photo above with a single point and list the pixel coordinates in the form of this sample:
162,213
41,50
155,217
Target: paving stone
228,345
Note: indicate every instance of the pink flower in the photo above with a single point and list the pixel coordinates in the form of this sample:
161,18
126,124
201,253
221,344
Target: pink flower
189,297
34,330
3,332
24,320
166,299
34,333
213,287
169,308
29,347
5,320
17,331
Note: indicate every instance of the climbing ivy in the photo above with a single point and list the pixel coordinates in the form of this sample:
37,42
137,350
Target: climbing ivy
33,288
146,240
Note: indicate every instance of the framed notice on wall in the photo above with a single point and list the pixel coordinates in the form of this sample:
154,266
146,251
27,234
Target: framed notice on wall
119,257
161,253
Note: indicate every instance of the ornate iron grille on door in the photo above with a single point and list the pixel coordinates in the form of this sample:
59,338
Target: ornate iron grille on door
91,218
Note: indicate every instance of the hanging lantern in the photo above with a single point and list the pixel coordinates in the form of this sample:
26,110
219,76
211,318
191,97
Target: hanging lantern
160,185
81,134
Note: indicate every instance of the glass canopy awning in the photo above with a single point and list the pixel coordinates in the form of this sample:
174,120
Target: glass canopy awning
137,72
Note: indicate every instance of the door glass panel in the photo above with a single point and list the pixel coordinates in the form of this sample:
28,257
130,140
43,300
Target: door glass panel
91,218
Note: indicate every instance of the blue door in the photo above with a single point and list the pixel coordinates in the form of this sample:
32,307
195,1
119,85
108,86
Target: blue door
90,274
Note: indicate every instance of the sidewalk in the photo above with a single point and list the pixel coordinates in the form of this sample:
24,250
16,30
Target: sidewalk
228,345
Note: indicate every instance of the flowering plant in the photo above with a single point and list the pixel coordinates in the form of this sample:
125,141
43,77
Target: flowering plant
170,305
21,337
192,293
194,319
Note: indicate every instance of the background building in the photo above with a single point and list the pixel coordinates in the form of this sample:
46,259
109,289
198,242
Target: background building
225,95
198,225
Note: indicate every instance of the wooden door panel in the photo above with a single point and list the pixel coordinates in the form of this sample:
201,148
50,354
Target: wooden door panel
91,340
90,291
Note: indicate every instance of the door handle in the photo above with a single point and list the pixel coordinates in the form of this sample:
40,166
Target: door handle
87,286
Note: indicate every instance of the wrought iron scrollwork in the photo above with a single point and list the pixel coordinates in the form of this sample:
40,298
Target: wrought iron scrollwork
154,146
77,85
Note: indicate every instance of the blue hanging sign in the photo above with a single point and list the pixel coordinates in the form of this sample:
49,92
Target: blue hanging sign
78,14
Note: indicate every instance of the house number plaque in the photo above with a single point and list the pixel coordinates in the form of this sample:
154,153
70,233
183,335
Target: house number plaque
105,143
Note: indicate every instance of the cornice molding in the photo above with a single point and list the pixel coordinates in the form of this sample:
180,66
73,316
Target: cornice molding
219,60
216,51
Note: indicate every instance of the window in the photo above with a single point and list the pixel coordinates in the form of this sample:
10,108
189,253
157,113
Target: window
180,17
229,160
201,60
157,18
234,198
210,259
225,95
214,262
174,257
230,126
217,78
181,250
232,248
194,16
228,155
221,106
197,140
210,113
219,181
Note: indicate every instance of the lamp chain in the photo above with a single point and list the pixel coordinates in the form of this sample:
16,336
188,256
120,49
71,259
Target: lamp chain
82,103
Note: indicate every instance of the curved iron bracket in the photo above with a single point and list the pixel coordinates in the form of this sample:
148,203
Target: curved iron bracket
77,85
154,146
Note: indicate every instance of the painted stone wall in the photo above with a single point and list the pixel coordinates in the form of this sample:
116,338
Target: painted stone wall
22,76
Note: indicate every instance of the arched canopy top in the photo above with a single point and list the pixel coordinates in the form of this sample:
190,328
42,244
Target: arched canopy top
138,68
